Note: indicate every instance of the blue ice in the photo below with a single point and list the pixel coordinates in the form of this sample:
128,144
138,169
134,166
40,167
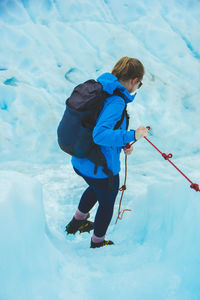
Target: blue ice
50,46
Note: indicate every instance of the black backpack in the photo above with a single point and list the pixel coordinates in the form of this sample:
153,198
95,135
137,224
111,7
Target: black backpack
75,129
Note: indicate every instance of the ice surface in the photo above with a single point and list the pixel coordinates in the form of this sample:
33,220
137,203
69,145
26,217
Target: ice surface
47,47
27,257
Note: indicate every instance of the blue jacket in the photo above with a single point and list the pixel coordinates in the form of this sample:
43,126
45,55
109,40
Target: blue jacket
111,141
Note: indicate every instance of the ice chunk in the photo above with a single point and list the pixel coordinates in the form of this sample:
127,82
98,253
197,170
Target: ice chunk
27,262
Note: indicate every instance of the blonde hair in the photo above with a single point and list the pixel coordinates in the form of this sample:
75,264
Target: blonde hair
128,68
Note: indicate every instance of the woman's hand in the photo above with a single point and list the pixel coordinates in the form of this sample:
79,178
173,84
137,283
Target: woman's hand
127,150
141,132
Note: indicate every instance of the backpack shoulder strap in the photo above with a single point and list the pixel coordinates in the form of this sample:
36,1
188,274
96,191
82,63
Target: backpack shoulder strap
119,123
124,113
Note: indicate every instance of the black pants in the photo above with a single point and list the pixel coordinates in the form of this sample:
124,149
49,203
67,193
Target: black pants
99,190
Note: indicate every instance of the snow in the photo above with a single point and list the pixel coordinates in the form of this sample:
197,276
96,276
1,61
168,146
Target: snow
47,47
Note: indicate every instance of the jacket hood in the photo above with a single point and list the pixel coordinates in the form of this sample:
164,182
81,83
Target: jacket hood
111,83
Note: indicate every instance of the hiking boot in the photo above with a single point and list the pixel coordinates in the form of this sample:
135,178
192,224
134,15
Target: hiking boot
79,225
101,244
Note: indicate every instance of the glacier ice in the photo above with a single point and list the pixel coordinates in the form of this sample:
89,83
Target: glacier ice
47,47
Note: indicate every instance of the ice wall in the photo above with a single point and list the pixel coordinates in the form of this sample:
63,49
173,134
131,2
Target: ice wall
47,47
29,263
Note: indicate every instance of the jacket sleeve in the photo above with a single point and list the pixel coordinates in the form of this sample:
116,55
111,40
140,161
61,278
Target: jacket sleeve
104,133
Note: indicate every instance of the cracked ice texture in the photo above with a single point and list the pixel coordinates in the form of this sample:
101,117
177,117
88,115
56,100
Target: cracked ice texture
48,47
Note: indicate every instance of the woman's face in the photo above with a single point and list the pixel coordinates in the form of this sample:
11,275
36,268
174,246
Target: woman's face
134,84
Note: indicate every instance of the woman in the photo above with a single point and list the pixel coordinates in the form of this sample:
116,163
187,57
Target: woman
126,77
